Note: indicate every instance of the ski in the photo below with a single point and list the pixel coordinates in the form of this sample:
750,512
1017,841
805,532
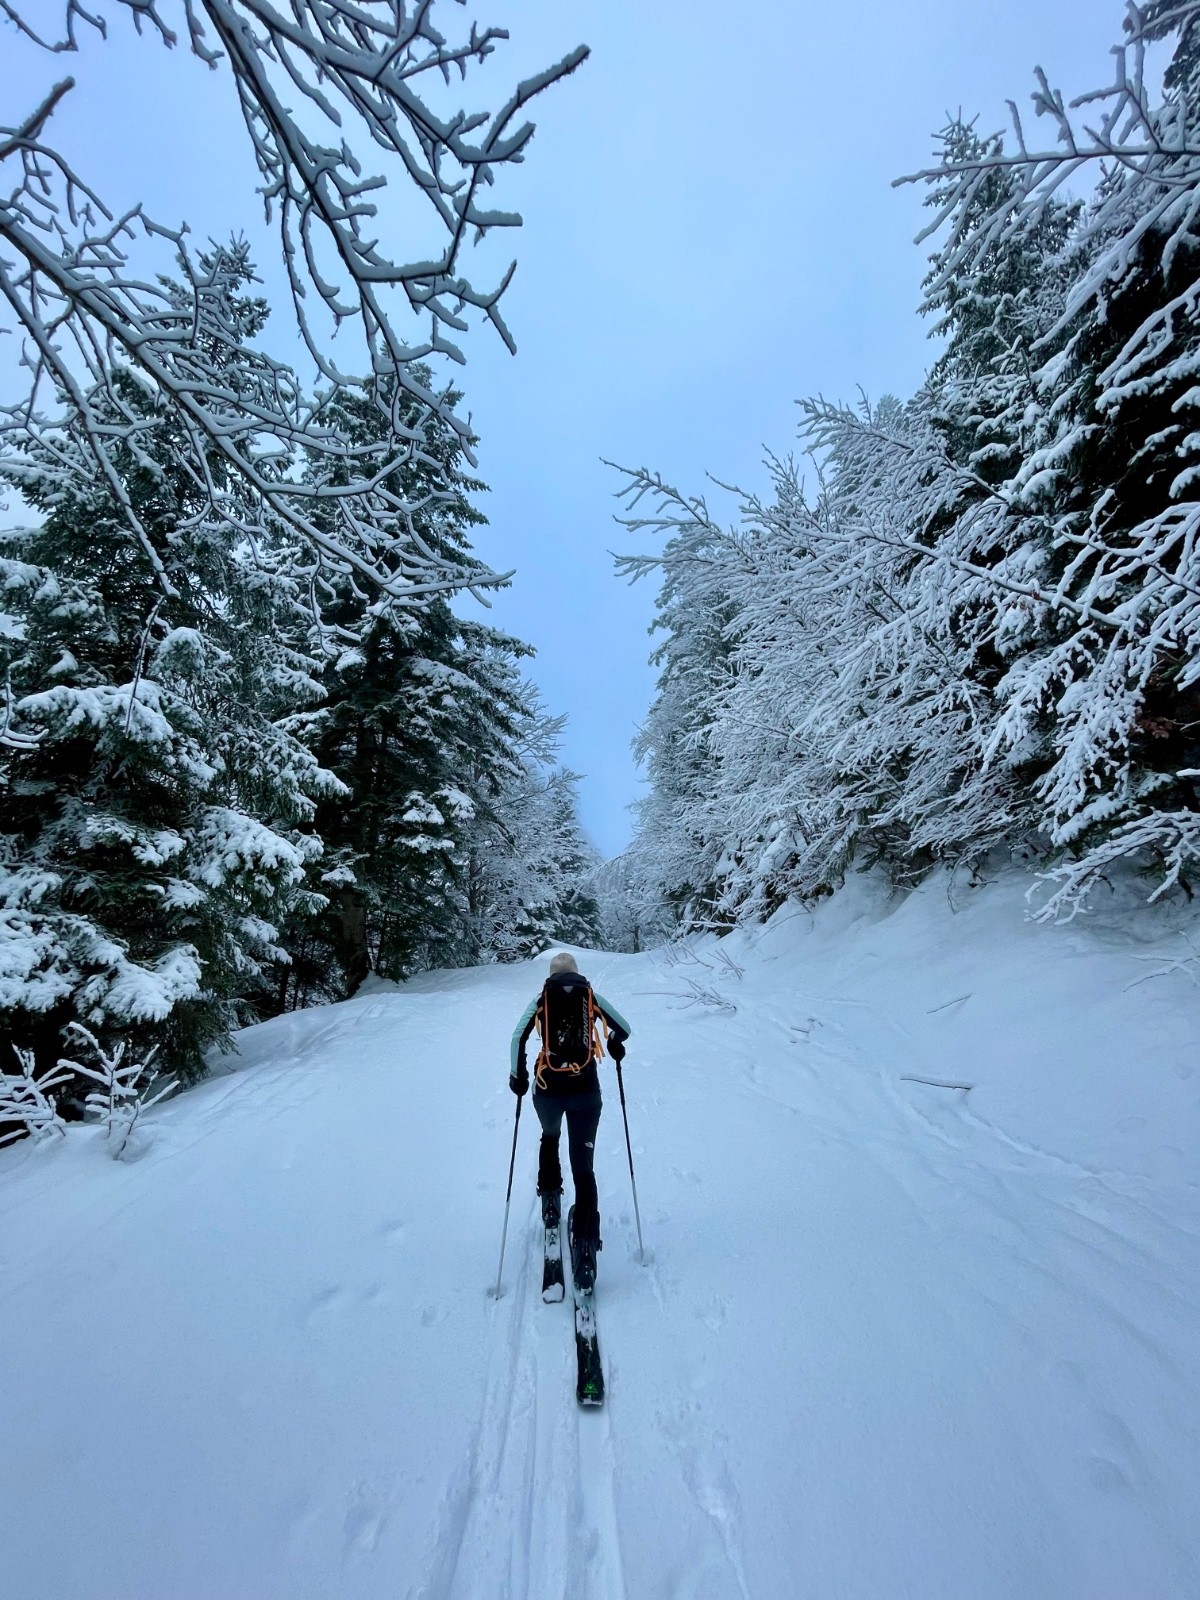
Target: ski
553,1287
589,1380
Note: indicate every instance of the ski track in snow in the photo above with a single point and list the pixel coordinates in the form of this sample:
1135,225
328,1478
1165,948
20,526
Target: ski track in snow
533,1510
886,1342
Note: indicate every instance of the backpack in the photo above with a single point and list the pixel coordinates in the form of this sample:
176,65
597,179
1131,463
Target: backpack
566,1019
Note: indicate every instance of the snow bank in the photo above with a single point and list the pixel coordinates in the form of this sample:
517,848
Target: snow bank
1080,1039
374,984
893,1338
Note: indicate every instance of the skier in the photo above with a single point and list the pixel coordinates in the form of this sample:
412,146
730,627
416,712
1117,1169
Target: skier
566,1083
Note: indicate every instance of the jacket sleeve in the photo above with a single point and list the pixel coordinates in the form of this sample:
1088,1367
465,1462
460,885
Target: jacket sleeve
616,1022
521,1035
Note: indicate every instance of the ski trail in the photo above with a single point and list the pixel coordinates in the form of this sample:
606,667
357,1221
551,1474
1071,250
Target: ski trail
544,1545
472,1554
532,1514
599,1535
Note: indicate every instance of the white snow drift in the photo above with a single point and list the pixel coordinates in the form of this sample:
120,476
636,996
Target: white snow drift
919,1319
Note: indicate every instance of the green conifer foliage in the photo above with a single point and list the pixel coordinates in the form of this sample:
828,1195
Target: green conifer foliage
155,816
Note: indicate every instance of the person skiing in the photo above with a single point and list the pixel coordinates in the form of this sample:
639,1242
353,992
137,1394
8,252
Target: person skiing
567,1084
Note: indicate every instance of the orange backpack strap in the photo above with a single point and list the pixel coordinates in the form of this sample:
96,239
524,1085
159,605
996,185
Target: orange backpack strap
543,1028
595,1015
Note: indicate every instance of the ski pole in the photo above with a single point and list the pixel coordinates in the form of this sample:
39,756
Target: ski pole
512,1161
629,1151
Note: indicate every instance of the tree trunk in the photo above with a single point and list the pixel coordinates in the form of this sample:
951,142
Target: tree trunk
354,953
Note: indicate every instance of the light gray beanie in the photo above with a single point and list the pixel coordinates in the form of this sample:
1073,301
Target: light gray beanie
562,961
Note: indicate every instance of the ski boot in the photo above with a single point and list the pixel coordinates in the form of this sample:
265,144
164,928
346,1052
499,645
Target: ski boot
583,1257
551,1209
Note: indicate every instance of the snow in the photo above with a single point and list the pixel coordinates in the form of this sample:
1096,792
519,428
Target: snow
891,1339
143,993
228,842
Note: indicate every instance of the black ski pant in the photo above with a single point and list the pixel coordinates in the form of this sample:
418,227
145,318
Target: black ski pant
582,1111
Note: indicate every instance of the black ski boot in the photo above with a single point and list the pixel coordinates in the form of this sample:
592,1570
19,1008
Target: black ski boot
551,1208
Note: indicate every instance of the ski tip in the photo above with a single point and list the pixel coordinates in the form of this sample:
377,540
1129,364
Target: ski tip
554,1295
591,1399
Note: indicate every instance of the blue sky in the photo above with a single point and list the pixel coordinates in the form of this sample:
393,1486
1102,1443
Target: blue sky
710,234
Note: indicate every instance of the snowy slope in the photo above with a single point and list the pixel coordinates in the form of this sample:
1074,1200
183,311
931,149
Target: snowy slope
894,1340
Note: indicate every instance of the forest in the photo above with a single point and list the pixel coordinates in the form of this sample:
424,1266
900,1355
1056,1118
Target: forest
963,625
250,751
252,747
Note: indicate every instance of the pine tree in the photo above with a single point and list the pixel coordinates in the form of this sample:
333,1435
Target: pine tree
419,723
155,816
531,867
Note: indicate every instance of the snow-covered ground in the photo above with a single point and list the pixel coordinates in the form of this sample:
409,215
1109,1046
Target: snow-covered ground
894,1340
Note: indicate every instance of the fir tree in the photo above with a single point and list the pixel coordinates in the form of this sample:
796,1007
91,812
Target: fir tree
155,817
419,722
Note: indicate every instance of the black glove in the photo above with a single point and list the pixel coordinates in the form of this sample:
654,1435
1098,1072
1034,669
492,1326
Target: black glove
616,1047
518,1081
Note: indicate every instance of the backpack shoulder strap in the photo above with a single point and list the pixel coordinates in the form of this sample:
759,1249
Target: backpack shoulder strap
543,1028
595,1015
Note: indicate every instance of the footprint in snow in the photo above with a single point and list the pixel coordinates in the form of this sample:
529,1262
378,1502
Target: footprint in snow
702,1456
1104,1474
363,1522
1130,1467
713,1311
324,1300
301,1517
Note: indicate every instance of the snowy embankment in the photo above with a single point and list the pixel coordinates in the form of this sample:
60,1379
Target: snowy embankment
894,1339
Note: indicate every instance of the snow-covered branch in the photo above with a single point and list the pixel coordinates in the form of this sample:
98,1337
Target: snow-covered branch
96,323
27,1104
125,1089
983,628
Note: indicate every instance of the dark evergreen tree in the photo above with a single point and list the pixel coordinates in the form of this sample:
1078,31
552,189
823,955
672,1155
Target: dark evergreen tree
427,723
156,810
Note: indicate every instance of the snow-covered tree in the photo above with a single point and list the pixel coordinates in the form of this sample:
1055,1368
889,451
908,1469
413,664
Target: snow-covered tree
980,627
679,841
530,864
386,729
618,887
28,1101
156,804
339,98
125,1087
